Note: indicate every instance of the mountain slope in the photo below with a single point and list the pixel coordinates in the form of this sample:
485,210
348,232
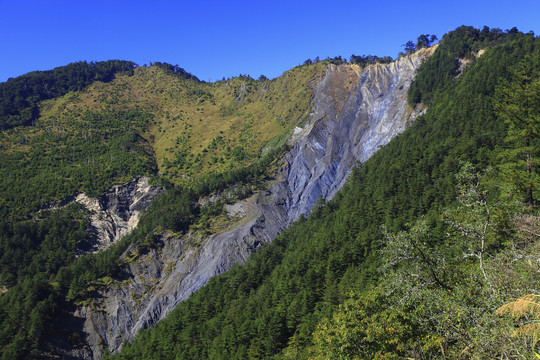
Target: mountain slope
271,307
21,96
240,160
372,101
89,140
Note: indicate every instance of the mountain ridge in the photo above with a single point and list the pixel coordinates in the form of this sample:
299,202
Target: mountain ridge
379,271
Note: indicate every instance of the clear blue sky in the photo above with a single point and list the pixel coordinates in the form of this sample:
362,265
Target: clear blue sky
215,39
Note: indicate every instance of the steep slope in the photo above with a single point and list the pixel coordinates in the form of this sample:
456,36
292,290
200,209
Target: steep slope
158,122
152,121
355,110
116,213
199,128
236,187
270,307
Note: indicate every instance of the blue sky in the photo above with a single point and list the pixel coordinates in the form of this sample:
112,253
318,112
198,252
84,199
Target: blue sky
215,39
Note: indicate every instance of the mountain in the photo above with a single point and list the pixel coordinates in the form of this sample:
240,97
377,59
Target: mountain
372,101
411,259
233,170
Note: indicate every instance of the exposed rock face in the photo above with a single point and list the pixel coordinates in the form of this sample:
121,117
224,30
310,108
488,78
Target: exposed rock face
355,111
117,211
158,280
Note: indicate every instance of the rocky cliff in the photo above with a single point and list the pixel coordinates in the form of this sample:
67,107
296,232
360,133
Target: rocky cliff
355,110
116,212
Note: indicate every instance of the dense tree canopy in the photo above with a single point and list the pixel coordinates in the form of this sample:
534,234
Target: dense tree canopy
463,43
517,102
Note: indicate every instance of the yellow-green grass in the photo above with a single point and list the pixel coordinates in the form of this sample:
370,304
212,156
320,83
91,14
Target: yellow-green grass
204,120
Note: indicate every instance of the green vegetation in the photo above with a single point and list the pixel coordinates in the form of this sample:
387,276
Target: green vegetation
412,258
175,70
456,48
423,41
21,96
32,254
85,152
369,59
40,273
197,128
90,135
429,245
517,102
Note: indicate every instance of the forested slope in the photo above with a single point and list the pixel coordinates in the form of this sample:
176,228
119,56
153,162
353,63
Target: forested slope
20,97
413,257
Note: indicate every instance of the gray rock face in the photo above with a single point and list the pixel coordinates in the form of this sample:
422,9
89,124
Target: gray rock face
158,280
355,111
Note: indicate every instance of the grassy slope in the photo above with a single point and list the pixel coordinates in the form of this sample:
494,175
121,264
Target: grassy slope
143,124
203,121
108,133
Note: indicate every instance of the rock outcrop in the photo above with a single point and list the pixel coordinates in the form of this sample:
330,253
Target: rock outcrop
355,111
116,212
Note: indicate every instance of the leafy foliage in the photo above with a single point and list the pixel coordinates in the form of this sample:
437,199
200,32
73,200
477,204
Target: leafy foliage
521,308
517,102
365,60
86,152
463,43
32,252
424,40
176,71
367,326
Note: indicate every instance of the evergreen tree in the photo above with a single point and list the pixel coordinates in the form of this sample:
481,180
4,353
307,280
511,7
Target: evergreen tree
517,102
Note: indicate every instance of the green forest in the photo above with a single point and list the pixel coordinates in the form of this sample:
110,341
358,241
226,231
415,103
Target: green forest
21,96
428,252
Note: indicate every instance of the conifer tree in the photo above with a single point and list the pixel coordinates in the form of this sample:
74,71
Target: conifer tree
517,102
